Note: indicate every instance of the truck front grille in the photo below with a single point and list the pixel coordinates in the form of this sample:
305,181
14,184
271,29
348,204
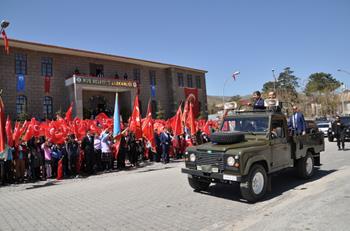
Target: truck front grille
215,159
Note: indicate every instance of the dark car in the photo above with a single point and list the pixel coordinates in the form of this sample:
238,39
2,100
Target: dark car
346,121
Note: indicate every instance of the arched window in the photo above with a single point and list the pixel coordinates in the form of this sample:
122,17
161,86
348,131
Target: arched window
48,107
21,104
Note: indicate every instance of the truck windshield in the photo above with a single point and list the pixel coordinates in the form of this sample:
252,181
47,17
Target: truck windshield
246,124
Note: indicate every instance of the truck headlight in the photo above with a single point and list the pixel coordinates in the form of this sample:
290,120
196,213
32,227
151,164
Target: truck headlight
192,157
230,161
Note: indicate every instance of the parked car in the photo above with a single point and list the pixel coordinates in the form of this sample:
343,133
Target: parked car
323,127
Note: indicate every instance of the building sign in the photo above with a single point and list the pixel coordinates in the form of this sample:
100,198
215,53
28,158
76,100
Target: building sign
104,82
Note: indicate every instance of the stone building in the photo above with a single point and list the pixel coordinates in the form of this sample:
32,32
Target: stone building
39,80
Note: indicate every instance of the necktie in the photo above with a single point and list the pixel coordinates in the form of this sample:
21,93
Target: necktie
295,119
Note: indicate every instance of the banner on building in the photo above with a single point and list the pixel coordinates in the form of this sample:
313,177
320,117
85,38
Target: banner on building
192,95
47,83
153,91
20,83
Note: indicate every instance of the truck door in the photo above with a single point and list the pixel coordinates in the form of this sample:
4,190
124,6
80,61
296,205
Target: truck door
280,148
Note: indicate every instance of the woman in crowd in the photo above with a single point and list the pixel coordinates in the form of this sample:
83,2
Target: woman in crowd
106,158
47,153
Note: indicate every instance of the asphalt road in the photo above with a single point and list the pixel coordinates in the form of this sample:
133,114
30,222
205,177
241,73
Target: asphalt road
157,197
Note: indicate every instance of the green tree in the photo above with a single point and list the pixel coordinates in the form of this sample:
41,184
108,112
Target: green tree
320,88
286,86
269,86
321,83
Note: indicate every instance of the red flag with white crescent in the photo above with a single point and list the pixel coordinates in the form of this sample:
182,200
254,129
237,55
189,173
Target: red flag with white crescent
148,127
191,95
6,42
178,126
135,120
9,134
2,126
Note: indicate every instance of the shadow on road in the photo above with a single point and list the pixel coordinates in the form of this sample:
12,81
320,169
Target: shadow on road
281,183
47,184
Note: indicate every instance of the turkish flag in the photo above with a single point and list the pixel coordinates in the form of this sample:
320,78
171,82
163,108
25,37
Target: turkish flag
6,42
69,113
60,170
47,84
191,120
2,126
9,134
178,127
135,120
116,145
185,112
148,127
191,95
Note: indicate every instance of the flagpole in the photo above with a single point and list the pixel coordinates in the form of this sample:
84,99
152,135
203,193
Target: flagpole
223,89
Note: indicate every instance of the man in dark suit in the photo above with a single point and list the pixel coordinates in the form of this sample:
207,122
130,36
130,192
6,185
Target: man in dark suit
297,122
338,129
165,140
258,103
87,144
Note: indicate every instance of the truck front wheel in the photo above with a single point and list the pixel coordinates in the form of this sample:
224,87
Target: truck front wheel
254,187
197,184
305,166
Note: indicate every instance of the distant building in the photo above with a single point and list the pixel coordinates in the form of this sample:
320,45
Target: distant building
39,80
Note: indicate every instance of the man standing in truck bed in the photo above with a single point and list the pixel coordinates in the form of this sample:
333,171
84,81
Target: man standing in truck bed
297,122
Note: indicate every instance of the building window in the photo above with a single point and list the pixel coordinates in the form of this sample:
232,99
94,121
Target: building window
152,78
189,81
137,75
116,76
48,107
21,64
96,69
46,66
180,79
198,82
21,104
154,108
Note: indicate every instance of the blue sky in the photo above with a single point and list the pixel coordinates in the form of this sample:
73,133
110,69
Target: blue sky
218,36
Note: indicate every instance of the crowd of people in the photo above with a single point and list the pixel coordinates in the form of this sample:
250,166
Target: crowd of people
39,159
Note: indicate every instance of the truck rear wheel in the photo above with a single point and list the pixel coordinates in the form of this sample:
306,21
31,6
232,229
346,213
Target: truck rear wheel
197,184
305,166
254,187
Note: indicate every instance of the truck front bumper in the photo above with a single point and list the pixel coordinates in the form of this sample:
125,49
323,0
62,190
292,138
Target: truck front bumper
212,175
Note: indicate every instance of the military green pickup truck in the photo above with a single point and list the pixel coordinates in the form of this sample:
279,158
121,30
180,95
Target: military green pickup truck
248,149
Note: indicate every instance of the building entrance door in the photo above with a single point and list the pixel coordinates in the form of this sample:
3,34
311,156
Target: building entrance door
99,104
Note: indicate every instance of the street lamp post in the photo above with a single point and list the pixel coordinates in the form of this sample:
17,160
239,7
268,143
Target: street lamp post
345,71
223,89
274,77
3,25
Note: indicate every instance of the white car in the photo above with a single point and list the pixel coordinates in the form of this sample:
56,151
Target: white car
324,127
